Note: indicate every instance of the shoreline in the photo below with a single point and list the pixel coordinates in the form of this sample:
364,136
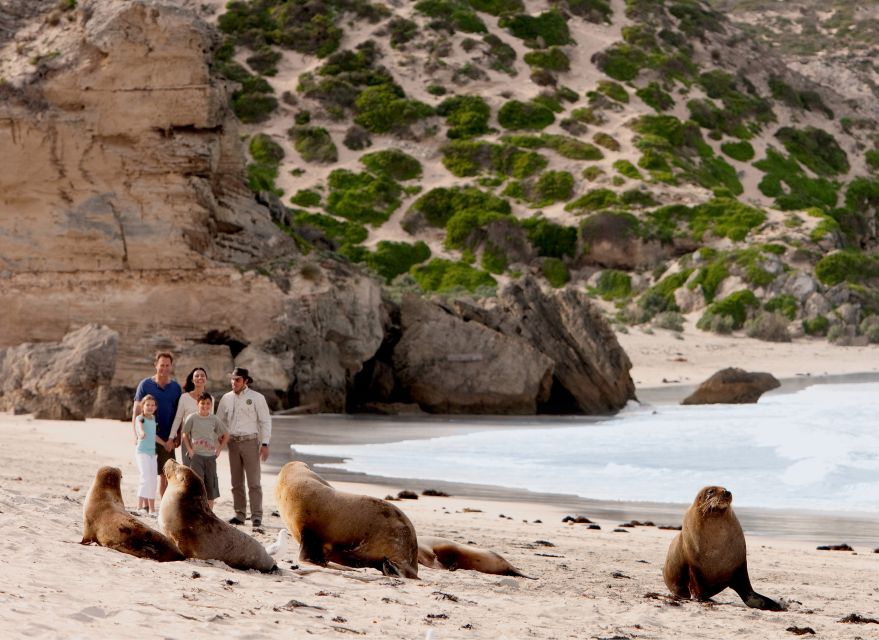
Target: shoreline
819,527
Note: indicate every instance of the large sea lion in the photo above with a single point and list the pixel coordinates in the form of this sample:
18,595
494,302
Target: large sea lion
708,555
439,553
345,528
106,522
188,520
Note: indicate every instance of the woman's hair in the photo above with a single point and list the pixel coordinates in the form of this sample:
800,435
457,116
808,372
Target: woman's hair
189,385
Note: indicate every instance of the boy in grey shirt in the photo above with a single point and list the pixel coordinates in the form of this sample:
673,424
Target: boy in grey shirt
204,436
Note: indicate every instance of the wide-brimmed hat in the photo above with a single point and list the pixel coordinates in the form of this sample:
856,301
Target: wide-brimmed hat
240,372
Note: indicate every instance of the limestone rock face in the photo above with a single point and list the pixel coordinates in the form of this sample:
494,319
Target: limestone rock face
452,366
58,380
732,386
590,368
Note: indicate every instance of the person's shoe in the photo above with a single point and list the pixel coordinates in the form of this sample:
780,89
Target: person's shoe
236,520
257,523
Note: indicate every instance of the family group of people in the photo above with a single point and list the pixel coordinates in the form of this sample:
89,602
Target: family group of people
165,417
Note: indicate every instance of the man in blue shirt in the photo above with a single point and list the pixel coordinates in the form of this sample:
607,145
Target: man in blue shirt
167,392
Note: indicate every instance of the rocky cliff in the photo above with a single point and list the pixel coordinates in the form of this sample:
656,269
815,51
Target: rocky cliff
123,202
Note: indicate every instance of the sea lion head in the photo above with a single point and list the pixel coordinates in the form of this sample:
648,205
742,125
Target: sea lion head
184,480
109,481
713,500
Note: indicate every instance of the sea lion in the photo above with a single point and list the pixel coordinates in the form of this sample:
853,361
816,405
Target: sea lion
345,528
106,522
188,520
439,553
708,555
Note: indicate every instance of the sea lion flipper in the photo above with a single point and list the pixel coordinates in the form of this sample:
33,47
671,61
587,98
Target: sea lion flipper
390,569
312,548
741,584
757,601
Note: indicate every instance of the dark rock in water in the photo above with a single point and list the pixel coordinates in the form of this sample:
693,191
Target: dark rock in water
732,386
620,531
835,547
59,381
669,527
407,495
594,527
435,493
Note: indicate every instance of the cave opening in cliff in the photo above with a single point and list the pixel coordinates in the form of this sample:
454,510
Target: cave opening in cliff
228,338
561,401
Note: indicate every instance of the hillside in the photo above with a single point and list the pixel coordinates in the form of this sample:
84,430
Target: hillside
661,155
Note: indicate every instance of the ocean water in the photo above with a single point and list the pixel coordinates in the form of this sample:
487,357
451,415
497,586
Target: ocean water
816,449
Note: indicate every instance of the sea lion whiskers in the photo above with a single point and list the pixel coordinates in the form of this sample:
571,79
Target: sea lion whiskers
713,500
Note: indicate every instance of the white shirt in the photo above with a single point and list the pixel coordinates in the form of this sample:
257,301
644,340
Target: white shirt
246,413
185,408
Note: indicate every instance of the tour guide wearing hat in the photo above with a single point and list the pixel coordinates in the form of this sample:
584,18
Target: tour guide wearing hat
250,428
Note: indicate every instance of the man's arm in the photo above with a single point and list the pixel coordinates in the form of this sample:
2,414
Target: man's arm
264,421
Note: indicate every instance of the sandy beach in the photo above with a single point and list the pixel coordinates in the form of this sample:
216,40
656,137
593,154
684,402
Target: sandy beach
590,583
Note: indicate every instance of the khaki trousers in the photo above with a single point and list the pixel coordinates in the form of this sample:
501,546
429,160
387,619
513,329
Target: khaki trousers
244,461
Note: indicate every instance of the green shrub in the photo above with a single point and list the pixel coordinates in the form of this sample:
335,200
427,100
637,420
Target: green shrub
357,138
815,149
614,91
803,100
261,177
550,187
571,147
670,321
451,16
464,226
441,276
464,158
391,259
467,116
306,198
816,326
592,173
524,115
265,150
847,266
552,59
725,218
493,259
654,97
342,231
594,200
497,7
710,277
661,296
785,304
501,56
545,30
870,327
741,151
871,156
383,108
627,169
769,327
362,197
606,140
314,144
393,164
401,30
550,239
735,307
802,193
614,285
596,11
555,272
588,115
439,204
253,108
264,61
637,198
621,61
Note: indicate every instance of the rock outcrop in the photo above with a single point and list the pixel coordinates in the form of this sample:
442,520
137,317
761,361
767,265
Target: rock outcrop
732,386
124,203
59,380
448,365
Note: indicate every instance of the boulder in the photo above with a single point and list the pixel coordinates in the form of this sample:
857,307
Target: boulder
58,380
448,365
732,386
612,240
590,368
